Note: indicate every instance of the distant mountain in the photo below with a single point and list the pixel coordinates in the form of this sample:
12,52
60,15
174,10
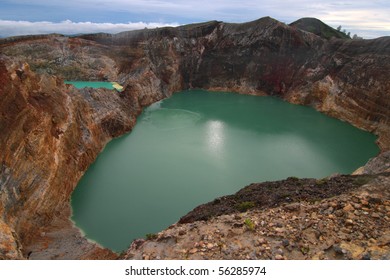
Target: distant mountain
319,28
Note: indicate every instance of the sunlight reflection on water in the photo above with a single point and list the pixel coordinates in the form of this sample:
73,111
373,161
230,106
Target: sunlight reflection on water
215,136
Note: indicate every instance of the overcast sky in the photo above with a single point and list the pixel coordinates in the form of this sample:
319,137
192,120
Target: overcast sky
368,19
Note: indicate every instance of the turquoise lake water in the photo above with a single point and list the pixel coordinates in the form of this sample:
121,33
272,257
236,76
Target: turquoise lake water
83,84
197,145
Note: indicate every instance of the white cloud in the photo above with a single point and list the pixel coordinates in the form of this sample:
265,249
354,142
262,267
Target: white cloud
365,18
368,23
67,27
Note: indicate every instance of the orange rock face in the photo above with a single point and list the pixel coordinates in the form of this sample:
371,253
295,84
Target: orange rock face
50,135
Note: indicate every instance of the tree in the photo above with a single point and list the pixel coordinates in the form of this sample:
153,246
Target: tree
339,28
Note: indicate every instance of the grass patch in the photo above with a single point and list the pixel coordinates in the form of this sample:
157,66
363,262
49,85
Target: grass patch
151,236
305,250
245,206
321,182
293,178
249,224
362,180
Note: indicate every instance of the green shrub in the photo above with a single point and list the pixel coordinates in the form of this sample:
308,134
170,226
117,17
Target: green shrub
362,180
249,224
151,236
293,178
321,182
244,206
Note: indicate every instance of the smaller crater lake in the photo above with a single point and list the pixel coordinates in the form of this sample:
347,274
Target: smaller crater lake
95,84
195,146
91,84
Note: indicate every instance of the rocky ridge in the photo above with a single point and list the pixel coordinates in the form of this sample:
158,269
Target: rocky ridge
51,132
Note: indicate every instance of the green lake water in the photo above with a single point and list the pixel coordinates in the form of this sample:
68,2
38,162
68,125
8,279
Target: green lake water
196,146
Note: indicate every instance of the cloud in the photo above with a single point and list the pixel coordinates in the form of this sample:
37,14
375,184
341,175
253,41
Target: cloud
368,23
67,27
365,18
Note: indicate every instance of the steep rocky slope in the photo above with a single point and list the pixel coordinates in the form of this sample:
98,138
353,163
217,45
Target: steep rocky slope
51,132
50,135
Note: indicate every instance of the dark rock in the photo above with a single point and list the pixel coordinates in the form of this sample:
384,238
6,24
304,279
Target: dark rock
338,250
285,242
292,207
366,256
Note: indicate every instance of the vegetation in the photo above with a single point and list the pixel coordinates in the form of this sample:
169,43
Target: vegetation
293,178
355,37
362,180
151,236
244,206
321,182
249,224
305,250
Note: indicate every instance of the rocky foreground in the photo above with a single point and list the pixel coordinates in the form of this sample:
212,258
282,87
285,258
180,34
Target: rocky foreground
342,217
51,133
354,225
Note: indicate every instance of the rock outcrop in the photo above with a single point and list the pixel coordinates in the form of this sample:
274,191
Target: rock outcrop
51,132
